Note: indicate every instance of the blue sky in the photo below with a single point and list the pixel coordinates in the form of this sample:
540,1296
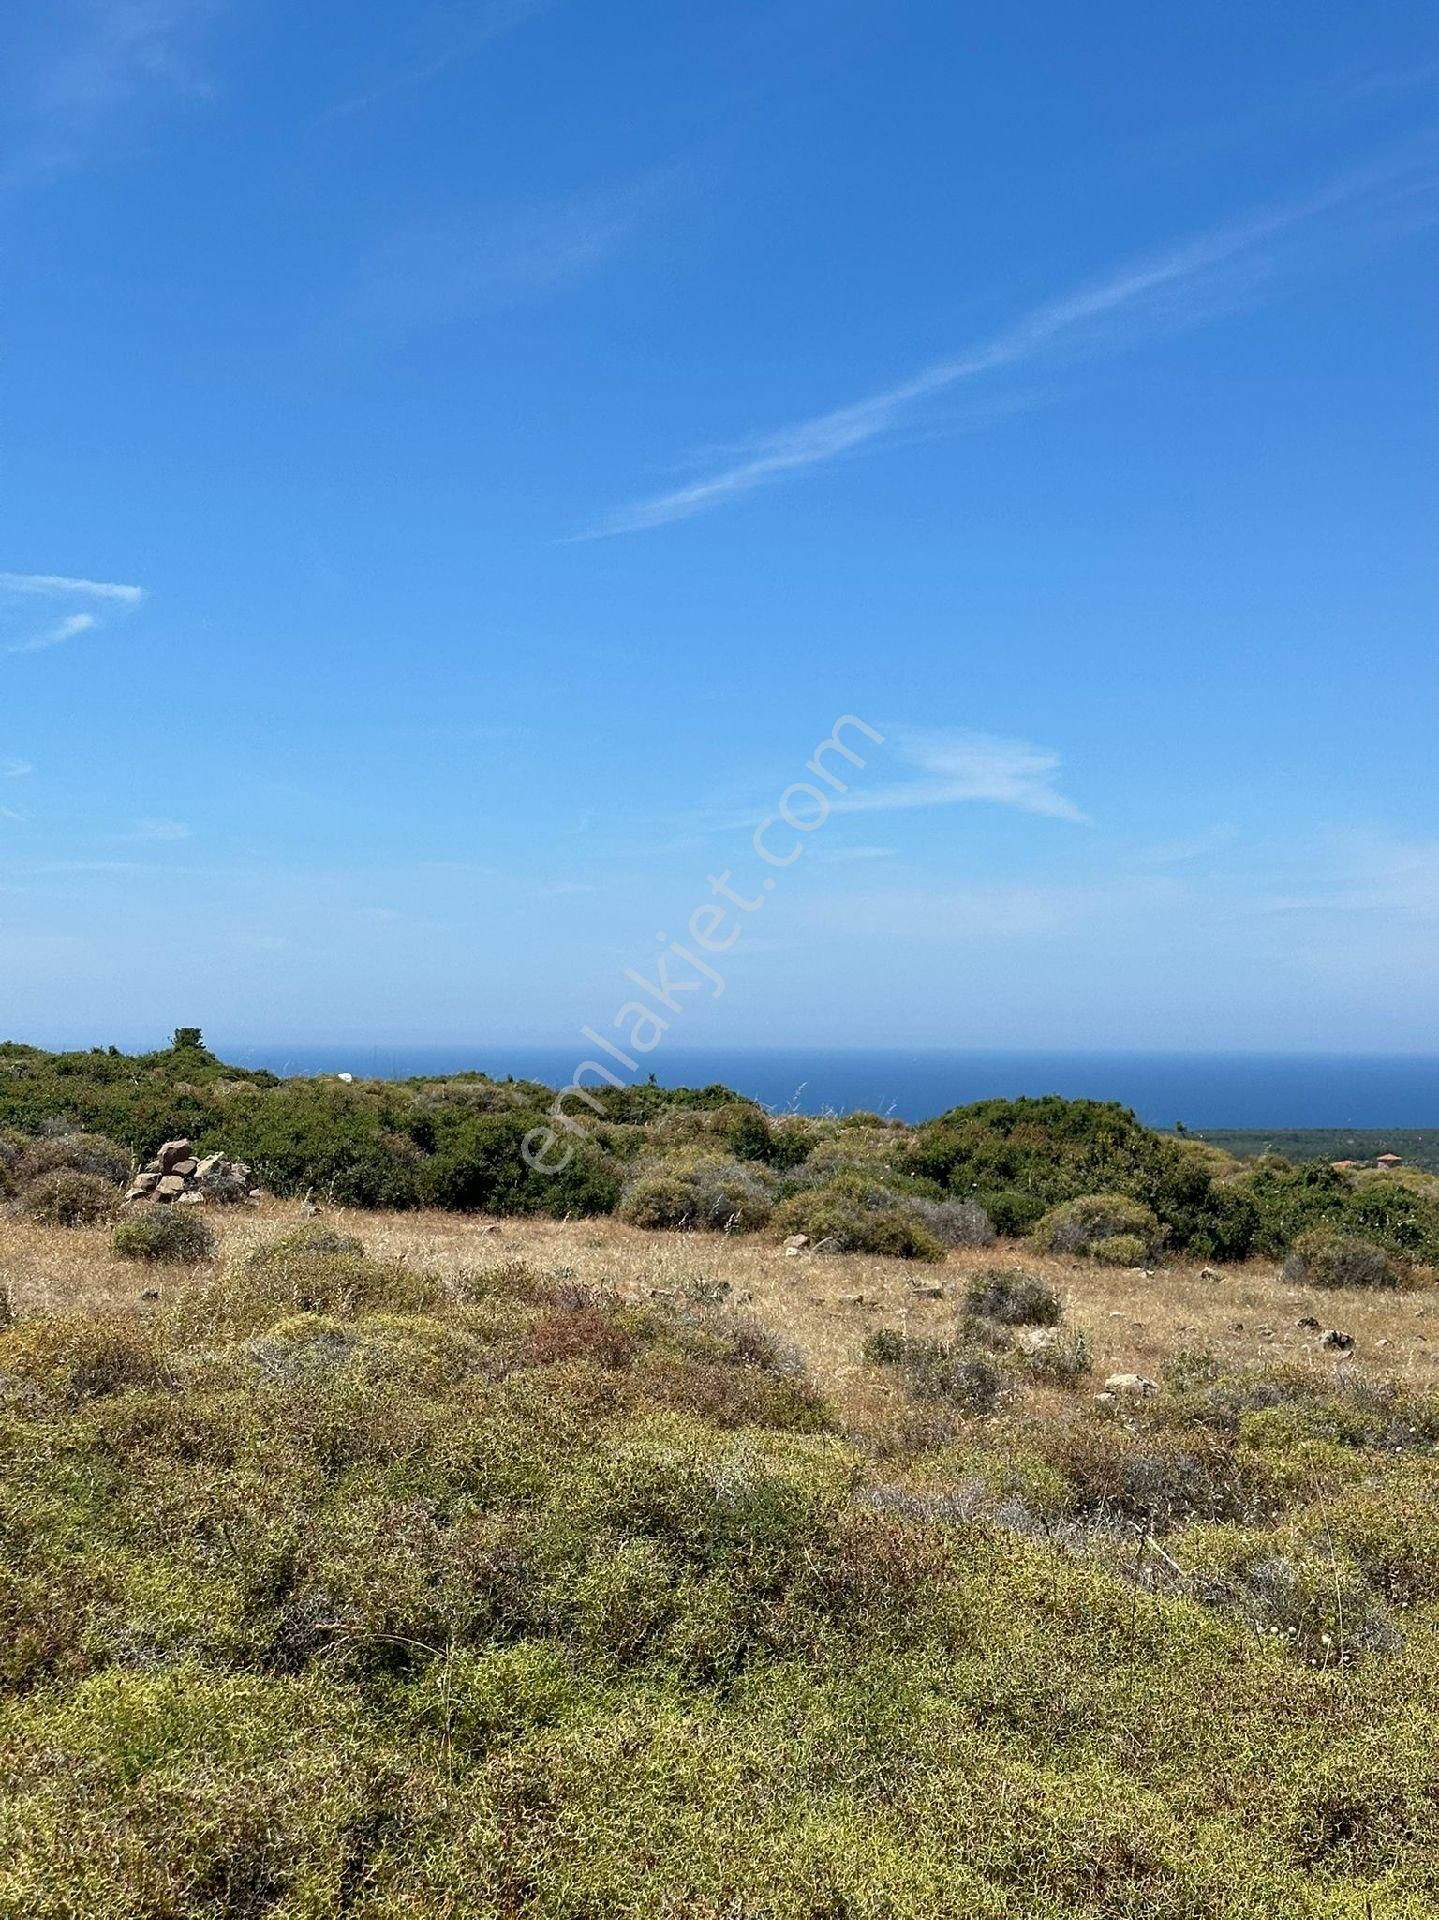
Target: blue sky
459,461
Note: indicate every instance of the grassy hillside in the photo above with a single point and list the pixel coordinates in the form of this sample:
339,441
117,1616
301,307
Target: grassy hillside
416,1578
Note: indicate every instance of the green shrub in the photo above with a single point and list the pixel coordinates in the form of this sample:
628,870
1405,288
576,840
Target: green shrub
294,1275
1395,1217
297,1243
1011,1211
1084,1225
1122,1250
83,1356
478,1166
897,1235
712,1195
1325,1257
175,1234
973,1382
1012,1297
68,1199
1288,1200
835,1218
88,1153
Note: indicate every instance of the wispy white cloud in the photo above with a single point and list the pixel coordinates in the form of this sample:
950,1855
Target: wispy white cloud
1205,275
157,830
108,594
80,64
844,856
954,764
1372,875
56,635
942,767
1001,913
488,23
480,259
15,769
62,584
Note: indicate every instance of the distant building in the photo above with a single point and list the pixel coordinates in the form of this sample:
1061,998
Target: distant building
1389,1160
1345,1166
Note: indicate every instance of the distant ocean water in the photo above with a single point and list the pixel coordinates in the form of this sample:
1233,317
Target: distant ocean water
1221,1090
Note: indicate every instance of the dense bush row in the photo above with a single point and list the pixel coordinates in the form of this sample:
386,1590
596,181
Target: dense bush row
1079,1176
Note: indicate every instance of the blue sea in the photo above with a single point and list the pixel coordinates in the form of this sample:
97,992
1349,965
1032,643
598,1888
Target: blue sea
1221,1090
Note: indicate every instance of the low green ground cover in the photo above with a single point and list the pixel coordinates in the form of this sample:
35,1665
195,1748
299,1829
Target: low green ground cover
332,1589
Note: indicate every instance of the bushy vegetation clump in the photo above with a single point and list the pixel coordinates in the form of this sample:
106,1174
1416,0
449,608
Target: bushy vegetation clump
66,1198
1104,1226
1012,1298
174,1234
1061,1360
954,1223
726,1196
1327,1257
844,1218
88,1153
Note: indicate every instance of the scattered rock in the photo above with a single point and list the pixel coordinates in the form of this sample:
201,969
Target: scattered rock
796,1244
919,1291
1309,1324
1210,1273
857,1300
176,1175
488,1227
150,1293
1134,1385
1037,1339
1335,1340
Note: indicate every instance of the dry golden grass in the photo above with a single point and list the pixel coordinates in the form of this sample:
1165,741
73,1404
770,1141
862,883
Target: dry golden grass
824,1304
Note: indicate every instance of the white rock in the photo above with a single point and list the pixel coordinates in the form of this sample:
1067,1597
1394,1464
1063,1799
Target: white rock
1133,1384
1038,1339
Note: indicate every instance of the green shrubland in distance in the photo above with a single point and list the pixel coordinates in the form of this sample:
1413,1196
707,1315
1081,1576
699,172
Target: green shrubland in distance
1078,1176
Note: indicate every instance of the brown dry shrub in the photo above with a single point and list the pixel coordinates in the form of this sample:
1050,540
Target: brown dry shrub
65,1198
580,1333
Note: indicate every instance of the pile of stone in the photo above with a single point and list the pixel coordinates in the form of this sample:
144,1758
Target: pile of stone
175,1177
